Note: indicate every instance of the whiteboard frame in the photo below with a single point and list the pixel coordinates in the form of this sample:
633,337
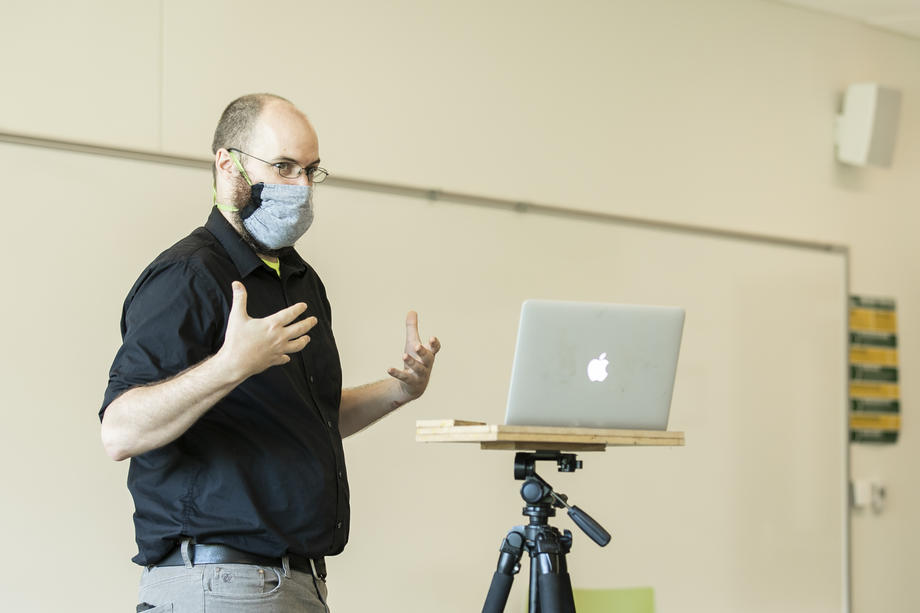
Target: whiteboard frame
433,194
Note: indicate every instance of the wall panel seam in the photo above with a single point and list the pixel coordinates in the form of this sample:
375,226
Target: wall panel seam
437,195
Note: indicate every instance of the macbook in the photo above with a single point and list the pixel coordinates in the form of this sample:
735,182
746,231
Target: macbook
594,365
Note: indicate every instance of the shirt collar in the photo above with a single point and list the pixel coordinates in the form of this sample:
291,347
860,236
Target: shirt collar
242,255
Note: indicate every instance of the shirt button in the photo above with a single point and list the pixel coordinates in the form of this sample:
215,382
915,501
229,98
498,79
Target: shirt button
329,423
341,475
311,378
338,525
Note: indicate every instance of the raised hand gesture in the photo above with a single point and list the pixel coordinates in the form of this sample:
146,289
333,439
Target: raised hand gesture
418,360
252,345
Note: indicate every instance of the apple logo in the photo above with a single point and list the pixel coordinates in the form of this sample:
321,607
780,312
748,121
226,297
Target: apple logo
597,368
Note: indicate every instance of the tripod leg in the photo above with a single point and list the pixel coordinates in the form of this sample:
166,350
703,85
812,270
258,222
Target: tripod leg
508,565
555,593
553,586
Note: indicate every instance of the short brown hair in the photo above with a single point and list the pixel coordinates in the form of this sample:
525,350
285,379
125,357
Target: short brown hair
237,120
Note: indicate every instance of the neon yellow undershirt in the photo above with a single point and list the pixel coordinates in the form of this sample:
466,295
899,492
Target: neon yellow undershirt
276,266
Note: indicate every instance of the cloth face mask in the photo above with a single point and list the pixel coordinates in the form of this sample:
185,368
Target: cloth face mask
277,214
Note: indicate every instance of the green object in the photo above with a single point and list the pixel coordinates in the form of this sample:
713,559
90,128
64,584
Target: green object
276,266
624,600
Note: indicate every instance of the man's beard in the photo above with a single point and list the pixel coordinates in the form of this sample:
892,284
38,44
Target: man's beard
239,198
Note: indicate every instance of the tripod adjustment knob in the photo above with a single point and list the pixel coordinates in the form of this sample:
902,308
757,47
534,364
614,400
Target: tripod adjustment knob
533,491
566,540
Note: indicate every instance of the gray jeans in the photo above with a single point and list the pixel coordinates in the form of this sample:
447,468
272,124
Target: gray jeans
231,588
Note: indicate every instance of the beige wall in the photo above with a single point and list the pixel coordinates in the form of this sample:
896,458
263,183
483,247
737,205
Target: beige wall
710,112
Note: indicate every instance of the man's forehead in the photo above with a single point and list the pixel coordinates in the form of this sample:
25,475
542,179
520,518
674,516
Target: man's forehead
283,130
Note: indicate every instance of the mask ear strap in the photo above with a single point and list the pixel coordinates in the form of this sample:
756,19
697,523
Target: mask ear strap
236,160
222,207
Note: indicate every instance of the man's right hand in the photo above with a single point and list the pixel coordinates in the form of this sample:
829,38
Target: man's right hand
149,416
253,345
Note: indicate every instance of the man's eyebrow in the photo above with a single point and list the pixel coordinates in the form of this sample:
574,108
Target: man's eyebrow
293,161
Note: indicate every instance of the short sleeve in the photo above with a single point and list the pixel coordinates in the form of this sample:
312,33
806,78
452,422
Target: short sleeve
174,317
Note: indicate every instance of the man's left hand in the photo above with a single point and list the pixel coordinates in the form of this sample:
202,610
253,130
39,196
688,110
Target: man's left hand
418,360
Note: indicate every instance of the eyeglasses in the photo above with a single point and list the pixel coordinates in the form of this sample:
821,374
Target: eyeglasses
290,170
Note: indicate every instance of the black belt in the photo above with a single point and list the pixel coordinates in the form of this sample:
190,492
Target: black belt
222,554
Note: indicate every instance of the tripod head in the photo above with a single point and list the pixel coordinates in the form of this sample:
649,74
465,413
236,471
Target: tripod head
541,498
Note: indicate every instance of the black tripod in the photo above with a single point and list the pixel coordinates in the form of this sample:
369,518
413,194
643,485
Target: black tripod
550,585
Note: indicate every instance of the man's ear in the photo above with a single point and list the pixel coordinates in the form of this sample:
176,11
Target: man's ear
223,163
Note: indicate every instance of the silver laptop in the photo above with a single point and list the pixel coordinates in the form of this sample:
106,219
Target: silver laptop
594,365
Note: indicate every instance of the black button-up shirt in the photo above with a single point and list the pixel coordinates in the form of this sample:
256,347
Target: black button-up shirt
263,470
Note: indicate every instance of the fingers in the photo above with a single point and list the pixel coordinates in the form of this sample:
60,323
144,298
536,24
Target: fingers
424,355
296,334
413,363
416,369
300,328
238,307
418,359
296,345
412,366
254,344
398,374
416,374
412,337
286,316
411,330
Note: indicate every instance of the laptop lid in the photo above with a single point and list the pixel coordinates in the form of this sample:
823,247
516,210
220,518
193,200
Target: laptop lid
594,365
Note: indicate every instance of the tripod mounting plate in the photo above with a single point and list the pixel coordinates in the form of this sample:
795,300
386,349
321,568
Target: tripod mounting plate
525,463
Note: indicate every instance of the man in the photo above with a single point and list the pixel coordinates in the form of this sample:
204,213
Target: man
226,392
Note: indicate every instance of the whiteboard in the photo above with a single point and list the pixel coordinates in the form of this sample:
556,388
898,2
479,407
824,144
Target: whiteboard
750,515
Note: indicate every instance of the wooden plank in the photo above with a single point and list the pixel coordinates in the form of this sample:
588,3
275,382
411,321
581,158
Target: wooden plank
455,425
472,437
499,436
446,423
543,430
469,433
521,446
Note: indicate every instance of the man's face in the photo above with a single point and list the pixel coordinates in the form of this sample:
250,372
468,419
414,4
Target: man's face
281,134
